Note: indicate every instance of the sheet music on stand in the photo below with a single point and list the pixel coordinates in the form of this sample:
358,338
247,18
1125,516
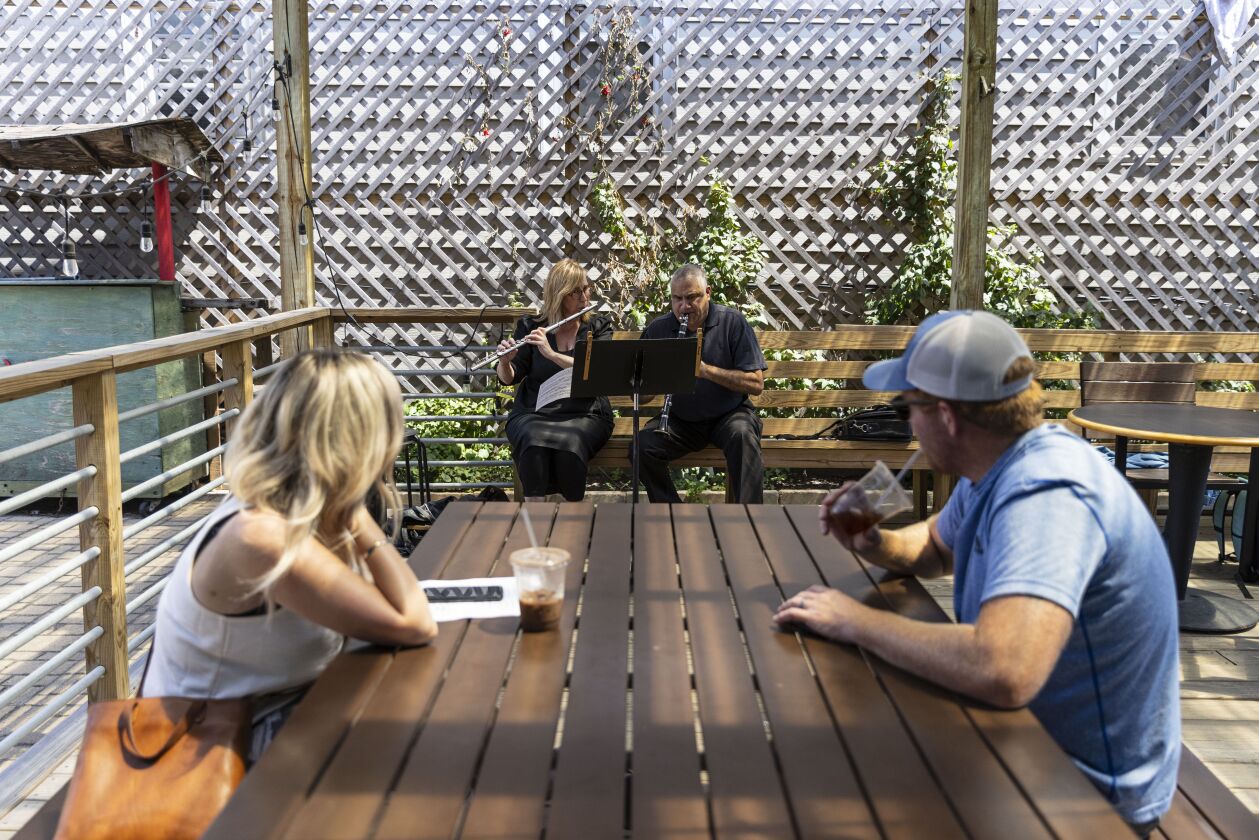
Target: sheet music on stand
558,387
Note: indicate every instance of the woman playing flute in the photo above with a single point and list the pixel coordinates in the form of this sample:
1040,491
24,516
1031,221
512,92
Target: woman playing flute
552,445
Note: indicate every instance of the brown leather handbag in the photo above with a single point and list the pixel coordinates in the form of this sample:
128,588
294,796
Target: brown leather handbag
154,767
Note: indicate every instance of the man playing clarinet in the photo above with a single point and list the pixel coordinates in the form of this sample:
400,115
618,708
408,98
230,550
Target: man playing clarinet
718,411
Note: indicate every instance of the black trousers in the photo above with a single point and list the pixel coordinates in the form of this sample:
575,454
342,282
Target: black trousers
737,434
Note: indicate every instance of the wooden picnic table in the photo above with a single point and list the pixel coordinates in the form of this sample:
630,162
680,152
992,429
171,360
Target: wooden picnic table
665,706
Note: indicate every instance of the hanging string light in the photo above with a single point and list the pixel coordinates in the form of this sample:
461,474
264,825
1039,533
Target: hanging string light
69,259
275,106
207,197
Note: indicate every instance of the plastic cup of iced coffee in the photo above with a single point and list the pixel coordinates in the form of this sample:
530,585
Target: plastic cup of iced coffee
876,496
540,584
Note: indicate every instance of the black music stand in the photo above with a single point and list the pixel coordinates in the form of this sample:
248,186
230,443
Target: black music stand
633,367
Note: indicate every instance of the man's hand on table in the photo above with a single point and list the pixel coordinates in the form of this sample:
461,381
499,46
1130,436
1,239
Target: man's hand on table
827,612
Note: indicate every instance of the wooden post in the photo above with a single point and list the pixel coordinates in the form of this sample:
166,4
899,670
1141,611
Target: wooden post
96,402
238,364
293,164
974,158
323,332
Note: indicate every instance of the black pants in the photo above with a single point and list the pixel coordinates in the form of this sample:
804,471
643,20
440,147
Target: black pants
737,434
542,469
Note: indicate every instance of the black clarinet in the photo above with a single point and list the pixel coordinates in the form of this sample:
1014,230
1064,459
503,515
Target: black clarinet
668,398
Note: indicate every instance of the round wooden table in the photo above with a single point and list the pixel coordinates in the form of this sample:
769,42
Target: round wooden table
1190,432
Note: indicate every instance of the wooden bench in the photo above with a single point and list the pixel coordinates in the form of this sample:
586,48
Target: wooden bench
828,453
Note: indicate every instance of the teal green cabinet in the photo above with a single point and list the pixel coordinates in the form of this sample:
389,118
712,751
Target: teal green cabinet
41,318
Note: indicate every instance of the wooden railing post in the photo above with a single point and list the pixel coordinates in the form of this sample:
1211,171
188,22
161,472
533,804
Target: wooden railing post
238,364
96,402
323,332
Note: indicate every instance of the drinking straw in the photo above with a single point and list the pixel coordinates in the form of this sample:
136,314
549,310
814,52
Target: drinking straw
899,476
533,539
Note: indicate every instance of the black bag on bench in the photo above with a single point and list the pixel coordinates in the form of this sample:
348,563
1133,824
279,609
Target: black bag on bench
877,423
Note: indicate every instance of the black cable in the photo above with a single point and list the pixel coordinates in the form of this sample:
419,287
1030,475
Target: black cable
309,204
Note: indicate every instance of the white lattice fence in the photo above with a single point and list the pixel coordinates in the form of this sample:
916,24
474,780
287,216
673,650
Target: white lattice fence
1124,148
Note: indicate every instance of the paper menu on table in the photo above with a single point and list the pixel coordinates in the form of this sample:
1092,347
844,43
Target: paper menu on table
458,610
557,387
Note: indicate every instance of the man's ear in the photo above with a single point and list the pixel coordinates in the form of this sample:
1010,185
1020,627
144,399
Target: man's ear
950,418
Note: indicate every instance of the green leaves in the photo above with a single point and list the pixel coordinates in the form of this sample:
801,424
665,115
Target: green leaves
917,189
714,239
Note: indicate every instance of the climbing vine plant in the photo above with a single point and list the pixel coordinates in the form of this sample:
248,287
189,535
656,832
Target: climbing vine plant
917,190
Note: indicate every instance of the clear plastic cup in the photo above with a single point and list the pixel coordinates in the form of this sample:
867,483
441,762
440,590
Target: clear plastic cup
540,584
876,496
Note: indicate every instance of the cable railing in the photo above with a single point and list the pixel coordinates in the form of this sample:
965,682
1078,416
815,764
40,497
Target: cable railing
109,583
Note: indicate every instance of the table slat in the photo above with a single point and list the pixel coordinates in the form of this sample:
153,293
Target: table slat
885,755
351,792
275,788
981,791
1210,796
1060,793
745,789
1186,822
588,798
510,795
438,546
824,792
428,799
666,798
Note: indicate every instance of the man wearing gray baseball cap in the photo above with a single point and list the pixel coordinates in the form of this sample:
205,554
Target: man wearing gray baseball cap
1062,587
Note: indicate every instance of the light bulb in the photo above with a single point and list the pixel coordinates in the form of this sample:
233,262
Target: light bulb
301,234
248,145
146,237
275,108
69,261
207,196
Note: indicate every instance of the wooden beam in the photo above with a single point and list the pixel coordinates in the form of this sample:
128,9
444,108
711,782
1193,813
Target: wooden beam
970,237
291,38
90,152
96,401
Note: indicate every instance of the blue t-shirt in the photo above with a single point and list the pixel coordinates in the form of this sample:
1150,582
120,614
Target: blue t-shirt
1052,519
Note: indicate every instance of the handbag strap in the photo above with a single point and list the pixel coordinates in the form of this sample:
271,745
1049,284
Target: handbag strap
192,714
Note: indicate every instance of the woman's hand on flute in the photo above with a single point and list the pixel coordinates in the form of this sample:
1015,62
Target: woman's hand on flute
538,339
506,373
509,349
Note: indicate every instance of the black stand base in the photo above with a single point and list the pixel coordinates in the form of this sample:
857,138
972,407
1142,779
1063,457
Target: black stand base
1207,612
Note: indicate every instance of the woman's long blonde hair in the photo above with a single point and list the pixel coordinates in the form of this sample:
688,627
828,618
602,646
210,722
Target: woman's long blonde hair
324,433
566,276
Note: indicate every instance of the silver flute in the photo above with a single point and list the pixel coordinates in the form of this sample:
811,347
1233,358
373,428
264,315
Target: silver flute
668,398
516,344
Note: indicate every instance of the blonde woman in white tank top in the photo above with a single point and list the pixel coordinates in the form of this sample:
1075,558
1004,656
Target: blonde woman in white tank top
262,597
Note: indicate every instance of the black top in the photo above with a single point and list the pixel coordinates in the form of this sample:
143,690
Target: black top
1180,423
531,369
729,343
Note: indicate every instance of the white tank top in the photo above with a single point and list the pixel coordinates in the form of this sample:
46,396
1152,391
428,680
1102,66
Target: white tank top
200,653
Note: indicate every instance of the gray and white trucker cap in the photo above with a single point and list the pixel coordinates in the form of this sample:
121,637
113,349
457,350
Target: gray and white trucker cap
959,355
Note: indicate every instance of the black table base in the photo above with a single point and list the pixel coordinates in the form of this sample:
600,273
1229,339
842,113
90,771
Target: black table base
1206,612
1200,611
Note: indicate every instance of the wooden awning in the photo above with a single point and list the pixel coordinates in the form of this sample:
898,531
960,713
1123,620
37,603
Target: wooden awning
177,143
